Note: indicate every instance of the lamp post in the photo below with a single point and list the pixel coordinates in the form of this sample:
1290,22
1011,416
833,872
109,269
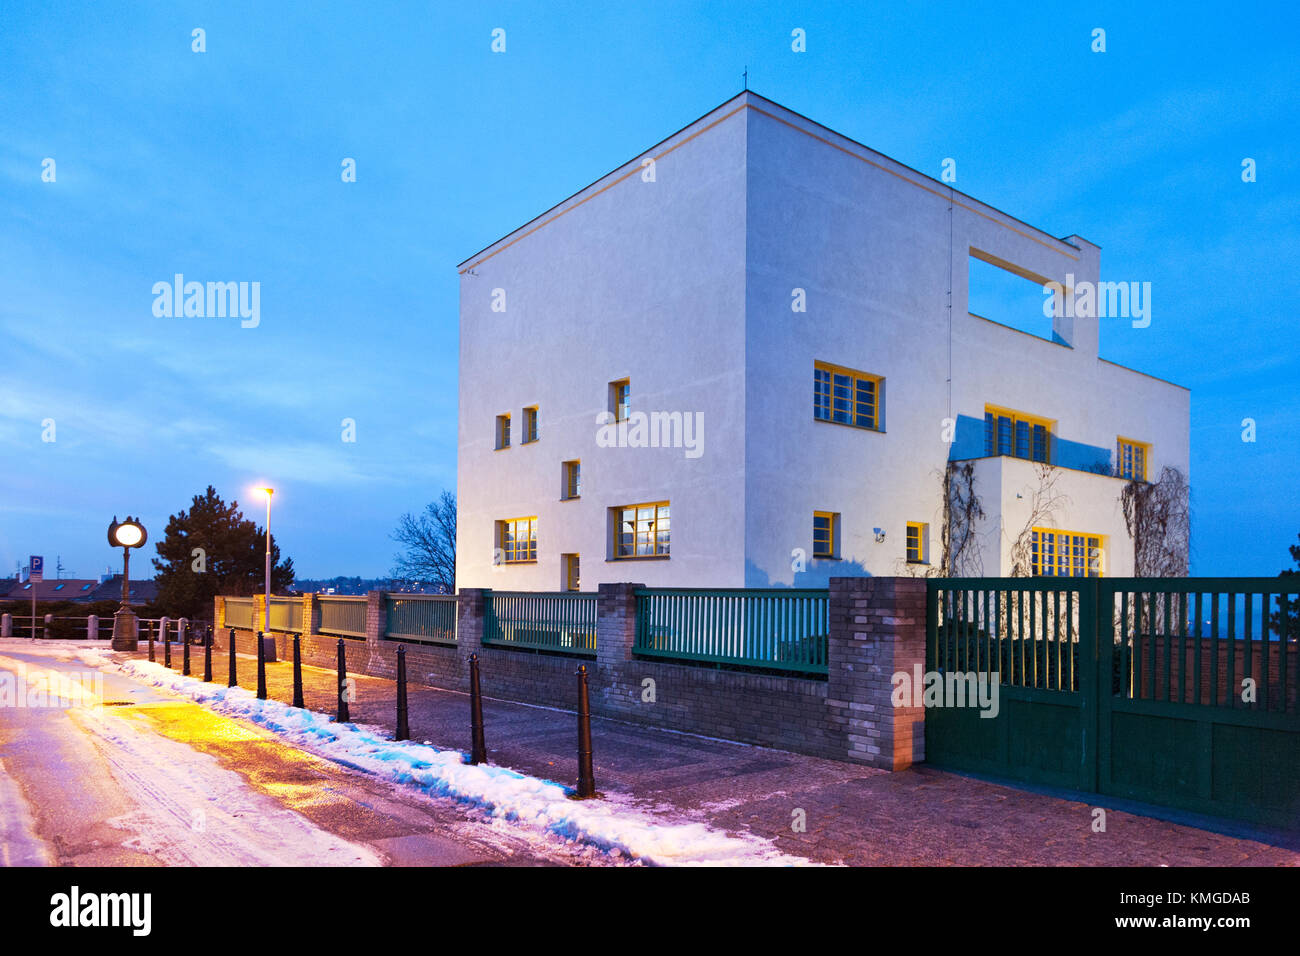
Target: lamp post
266,608
126,535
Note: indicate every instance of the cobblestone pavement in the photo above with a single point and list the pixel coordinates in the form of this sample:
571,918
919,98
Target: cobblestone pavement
854,815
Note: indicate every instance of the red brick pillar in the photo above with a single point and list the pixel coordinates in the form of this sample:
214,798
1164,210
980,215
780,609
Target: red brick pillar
877,631
469,620
376,616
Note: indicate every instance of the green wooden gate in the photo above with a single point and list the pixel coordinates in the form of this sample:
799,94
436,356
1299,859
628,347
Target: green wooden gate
1180,692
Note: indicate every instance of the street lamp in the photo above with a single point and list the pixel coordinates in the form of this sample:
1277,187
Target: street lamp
266,609
126,535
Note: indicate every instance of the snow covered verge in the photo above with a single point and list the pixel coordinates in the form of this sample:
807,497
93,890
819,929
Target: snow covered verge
611,825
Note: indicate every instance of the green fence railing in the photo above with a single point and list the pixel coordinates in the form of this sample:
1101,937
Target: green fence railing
342,616
775,628
239,613
286,614
562,621
422,619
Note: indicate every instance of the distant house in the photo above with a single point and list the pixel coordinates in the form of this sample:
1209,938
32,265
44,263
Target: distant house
80,590
66,589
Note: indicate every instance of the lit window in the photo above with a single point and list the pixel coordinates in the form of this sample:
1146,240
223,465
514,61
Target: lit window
620,399
846,397
59,587
1012,433
641,531
572,577
918,534
1065,554
503,431
824,534
1131,457
530,424
572,479
517,539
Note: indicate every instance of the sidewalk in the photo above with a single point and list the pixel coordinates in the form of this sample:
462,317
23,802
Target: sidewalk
854,815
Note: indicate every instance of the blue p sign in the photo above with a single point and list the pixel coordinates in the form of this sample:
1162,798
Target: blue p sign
37,568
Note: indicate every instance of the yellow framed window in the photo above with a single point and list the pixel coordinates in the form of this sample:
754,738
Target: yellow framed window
824,534
918,533
572,575
846,397
1007,432
1066,554
620,399
530,424
572,479
642,531
517,539
503,431
1131,457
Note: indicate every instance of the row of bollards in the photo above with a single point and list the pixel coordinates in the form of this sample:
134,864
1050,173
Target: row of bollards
478,749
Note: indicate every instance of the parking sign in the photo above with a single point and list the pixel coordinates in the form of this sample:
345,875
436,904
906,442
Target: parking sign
36,568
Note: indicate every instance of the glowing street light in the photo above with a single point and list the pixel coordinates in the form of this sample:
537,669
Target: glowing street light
266,609
126,535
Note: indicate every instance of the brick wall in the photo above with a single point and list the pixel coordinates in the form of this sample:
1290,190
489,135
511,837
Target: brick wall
877,628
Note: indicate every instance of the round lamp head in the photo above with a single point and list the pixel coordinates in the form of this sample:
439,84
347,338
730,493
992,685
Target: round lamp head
126,534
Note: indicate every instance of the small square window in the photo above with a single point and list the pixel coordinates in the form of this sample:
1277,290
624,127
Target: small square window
572,480
918,542
620,402
824,534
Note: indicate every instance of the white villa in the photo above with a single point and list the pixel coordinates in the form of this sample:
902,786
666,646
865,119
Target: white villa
747,358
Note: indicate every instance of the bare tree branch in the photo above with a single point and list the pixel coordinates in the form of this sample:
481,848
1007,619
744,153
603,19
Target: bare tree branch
429,539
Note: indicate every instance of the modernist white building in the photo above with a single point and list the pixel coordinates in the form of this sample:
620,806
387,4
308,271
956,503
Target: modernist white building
770,300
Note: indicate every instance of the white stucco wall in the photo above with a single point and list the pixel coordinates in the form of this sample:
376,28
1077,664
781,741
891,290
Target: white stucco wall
628,279
685,286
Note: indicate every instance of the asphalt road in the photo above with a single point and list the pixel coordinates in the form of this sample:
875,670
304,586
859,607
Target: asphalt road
147,779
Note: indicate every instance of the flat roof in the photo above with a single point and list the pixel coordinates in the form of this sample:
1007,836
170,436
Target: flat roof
746,94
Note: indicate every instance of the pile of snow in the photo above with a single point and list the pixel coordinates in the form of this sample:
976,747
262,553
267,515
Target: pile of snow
533,802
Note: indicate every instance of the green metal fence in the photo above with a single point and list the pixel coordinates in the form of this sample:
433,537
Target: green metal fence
286,614
1182,692
342,616
564,621
777,629
423,619
239,613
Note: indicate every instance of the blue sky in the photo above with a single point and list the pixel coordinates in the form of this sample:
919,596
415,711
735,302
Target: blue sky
225,165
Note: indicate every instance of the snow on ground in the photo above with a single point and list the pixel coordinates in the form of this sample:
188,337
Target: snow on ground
19,844
612,824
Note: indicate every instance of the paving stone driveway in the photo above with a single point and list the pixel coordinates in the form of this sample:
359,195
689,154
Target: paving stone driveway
854,815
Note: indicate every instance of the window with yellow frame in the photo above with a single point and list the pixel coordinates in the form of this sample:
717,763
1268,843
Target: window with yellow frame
517,539
1131,458
1066,554
620,399
824,534
918,534
641,531
572,575
503,431
572,479
530,424
847,397
1008,432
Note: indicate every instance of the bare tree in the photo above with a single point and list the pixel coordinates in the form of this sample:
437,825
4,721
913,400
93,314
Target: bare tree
1158,520
1043,503
430,542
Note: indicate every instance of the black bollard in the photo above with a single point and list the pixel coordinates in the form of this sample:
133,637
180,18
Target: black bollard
478,752
185,656
234,681
343,715
207,655
261,668
586,777
167,645
403,722
297,671
152,658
